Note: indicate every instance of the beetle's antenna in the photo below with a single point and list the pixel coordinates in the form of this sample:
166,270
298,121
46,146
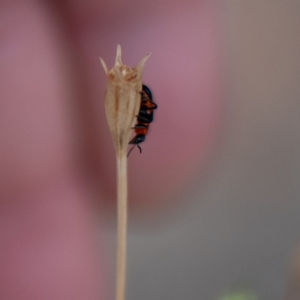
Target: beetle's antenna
131,149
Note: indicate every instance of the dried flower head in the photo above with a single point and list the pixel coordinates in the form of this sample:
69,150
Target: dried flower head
122,104
122,99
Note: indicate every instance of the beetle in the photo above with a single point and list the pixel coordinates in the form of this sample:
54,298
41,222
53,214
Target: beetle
144,118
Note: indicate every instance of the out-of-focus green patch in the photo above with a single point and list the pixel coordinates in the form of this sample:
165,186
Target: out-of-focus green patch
239,296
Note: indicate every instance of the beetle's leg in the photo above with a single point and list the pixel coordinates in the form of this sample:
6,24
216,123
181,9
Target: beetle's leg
139,126
148,105
153,107
147,120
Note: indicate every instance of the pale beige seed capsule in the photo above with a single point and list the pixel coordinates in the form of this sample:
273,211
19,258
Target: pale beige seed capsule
122,99
122,104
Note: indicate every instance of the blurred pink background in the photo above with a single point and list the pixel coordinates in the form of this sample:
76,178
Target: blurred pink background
214,197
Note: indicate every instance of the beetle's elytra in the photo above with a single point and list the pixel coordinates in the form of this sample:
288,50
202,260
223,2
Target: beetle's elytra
144,118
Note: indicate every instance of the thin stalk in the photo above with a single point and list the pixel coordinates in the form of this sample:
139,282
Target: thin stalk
122,224
122,104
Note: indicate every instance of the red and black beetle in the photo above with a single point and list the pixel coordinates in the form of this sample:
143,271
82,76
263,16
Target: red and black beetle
144,118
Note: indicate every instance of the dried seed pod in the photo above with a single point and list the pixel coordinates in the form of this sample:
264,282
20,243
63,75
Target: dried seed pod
122,99
122,104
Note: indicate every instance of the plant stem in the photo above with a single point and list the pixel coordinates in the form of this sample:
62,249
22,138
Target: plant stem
122,224
122,104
